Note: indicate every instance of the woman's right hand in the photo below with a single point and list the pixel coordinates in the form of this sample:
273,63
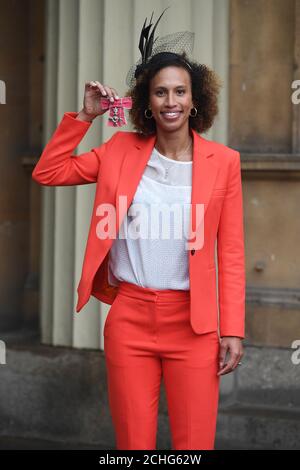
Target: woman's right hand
93,92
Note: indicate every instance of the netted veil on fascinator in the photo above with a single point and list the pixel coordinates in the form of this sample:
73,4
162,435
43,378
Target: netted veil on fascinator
166,47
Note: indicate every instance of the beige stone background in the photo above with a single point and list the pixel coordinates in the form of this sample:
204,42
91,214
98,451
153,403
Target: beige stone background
48,49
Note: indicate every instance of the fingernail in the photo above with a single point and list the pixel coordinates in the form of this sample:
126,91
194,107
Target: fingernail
117,97
111,98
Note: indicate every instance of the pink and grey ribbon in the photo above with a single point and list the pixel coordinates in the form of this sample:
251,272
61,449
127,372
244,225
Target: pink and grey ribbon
116,116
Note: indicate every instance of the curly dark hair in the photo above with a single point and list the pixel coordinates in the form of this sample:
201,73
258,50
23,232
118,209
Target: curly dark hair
205,89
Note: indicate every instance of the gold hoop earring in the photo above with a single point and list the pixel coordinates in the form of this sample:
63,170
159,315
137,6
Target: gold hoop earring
145,112
194,115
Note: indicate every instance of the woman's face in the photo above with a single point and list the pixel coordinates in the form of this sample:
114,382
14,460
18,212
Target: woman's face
170,92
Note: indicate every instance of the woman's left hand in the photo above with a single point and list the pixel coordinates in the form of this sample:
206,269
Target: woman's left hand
234,345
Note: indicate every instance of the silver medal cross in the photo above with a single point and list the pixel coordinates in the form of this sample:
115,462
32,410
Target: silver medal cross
115,118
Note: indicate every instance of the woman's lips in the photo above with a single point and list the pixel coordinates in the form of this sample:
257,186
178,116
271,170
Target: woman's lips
171,116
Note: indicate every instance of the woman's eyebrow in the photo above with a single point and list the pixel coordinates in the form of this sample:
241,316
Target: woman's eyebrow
164,88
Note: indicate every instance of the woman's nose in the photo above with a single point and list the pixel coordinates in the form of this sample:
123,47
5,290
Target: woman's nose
171,100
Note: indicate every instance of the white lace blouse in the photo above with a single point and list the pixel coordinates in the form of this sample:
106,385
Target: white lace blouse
150,248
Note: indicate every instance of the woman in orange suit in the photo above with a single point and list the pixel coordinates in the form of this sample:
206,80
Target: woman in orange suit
163,322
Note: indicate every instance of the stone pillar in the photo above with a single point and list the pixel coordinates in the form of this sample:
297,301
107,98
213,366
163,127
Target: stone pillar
14,144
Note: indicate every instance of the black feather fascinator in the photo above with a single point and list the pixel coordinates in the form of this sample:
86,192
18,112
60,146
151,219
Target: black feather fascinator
175,43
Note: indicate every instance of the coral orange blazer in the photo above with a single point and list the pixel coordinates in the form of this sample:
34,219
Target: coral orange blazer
116,166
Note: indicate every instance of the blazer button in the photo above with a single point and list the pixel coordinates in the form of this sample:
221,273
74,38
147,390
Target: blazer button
193,251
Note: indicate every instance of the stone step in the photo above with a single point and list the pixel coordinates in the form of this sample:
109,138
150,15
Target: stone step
268,376
258,427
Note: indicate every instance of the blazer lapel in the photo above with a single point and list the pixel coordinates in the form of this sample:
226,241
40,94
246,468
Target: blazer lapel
134,163
204,174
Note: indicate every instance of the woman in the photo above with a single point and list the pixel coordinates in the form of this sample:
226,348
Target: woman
163,320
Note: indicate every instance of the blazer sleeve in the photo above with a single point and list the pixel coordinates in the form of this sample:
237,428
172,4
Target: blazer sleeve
58,166
231,256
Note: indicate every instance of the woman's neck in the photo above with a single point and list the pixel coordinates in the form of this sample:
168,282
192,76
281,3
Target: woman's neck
175,145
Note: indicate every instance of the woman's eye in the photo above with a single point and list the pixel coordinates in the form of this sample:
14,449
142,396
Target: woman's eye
159,92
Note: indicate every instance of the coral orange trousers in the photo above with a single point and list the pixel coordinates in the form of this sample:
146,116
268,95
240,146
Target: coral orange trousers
148,337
